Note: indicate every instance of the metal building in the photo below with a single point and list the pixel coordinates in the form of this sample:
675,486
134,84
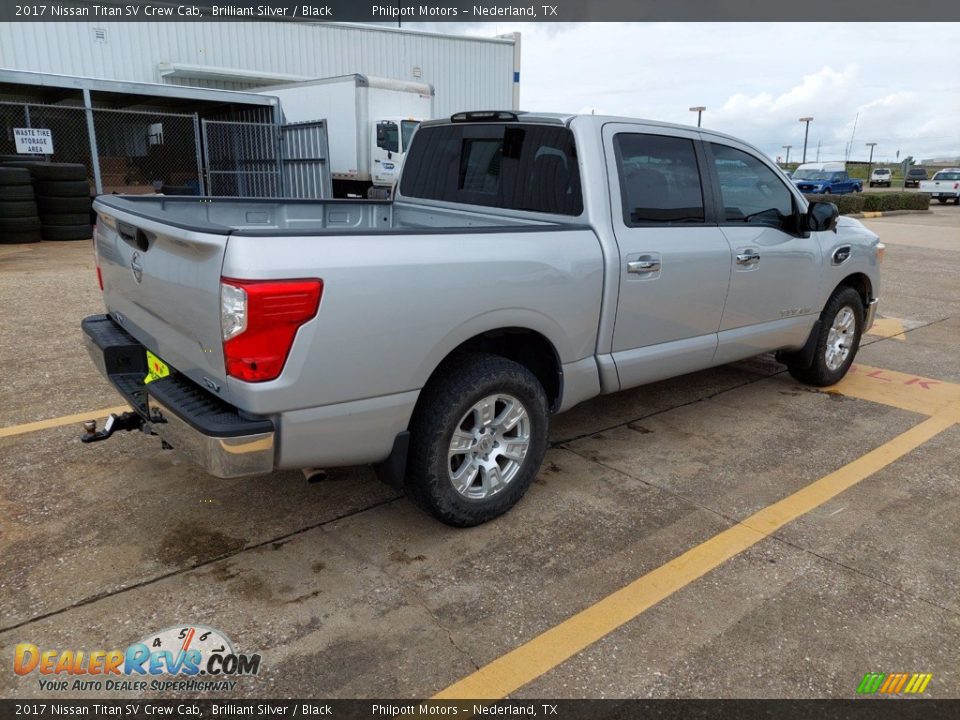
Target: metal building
468,73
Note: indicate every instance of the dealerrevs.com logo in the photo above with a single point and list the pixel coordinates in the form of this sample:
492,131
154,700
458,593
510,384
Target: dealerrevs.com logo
198,658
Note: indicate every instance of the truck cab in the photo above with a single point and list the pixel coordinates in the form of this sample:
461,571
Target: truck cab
829,178
391,138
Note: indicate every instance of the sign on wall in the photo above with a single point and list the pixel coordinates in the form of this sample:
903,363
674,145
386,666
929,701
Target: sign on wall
33,141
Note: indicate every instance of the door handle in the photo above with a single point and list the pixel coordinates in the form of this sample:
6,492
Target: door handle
643,266
748,258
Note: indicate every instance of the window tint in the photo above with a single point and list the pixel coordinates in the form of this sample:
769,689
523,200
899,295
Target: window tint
945,175
388,138
502,165
751,192
659,179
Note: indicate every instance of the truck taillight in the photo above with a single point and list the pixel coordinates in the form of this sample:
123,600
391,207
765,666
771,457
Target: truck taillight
259,320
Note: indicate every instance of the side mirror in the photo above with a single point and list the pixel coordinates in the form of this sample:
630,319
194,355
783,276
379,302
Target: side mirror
822,216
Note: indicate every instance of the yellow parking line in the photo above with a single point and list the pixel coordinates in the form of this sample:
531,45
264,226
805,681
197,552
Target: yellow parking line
546,651
58,421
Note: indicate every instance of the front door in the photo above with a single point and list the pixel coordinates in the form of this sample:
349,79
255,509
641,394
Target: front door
774,285
674,261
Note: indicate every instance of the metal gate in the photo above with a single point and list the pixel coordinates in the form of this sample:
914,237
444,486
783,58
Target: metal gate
306,171
266,160
242,158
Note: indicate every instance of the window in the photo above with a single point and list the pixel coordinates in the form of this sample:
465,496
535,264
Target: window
750,191
659,179
407,127
947,175
502,165
388,138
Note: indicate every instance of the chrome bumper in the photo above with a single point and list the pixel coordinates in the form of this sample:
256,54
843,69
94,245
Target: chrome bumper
222,457
221,454
871,314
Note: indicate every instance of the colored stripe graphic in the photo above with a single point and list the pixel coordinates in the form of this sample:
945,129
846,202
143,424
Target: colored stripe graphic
894,683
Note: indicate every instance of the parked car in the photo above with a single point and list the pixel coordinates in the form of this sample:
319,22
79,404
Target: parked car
881,176
434,335
914,177
944,186
826,179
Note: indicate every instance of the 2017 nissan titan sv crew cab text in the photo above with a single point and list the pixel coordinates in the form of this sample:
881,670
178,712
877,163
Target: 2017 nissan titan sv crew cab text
528,262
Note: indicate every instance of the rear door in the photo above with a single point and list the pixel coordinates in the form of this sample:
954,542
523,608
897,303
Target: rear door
162,284
774,285
674,261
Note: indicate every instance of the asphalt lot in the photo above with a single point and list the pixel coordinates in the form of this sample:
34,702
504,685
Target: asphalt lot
726,534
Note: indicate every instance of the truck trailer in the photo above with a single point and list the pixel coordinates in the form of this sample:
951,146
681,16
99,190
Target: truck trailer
370,121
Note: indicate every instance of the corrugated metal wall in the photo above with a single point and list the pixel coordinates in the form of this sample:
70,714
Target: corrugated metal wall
468,73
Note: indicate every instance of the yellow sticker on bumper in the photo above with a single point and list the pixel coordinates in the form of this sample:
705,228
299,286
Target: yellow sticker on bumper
156,368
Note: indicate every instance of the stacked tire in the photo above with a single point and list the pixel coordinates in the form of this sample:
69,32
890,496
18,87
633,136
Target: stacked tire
63,199
19,221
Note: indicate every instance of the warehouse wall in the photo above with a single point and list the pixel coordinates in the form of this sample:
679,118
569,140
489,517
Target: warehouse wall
468,73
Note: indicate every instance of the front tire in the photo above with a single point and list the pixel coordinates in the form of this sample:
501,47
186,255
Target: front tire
478,437
841,327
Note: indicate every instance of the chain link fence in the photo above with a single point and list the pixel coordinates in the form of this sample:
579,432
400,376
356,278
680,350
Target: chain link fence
67,124
138,152
148,151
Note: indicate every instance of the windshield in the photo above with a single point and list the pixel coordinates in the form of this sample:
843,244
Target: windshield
810,175
917,173
947,176
881,172
408,126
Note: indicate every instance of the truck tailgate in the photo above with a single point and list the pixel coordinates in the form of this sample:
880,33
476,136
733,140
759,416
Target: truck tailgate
161,283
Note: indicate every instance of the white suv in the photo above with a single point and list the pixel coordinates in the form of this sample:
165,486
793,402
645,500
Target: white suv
881,176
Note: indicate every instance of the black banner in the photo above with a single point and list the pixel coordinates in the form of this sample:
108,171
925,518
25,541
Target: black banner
400,11
857,709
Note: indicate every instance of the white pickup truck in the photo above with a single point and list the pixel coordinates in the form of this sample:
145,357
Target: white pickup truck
528,262
943,186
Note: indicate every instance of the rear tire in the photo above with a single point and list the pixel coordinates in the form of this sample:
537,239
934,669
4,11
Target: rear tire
841,327
478,437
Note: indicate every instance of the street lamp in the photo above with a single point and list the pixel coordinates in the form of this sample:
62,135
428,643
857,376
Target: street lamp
870,163
806,134
787,148
699,111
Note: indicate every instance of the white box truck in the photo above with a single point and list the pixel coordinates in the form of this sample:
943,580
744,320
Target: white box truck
370,121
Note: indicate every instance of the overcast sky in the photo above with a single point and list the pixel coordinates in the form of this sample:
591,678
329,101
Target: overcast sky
755,79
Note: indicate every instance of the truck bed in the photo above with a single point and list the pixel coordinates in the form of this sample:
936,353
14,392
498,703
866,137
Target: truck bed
271,216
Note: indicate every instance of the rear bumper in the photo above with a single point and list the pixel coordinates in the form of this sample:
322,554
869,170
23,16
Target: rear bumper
218,437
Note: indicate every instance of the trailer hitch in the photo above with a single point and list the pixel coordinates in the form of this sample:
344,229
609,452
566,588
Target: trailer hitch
126,421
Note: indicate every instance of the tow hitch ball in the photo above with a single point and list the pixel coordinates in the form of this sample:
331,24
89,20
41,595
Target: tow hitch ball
126,421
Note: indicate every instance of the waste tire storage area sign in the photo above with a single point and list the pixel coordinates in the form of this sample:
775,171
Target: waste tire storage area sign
33,141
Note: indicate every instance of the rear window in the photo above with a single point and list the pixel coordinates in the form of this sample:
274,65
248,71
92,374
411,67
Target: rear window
501,165
917,173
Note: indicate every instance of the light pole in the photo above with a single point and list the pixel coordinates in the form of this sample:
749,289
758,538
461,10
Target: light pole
806,134
870,163
787,148
699,111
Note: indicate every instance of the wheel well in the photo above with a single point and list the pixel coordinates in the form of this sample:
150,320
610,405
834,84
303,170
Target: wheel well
860,283
527,347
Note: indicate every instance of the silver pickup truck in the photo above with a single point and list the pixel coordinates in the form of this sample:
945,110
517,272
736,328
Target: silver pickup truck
528,262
